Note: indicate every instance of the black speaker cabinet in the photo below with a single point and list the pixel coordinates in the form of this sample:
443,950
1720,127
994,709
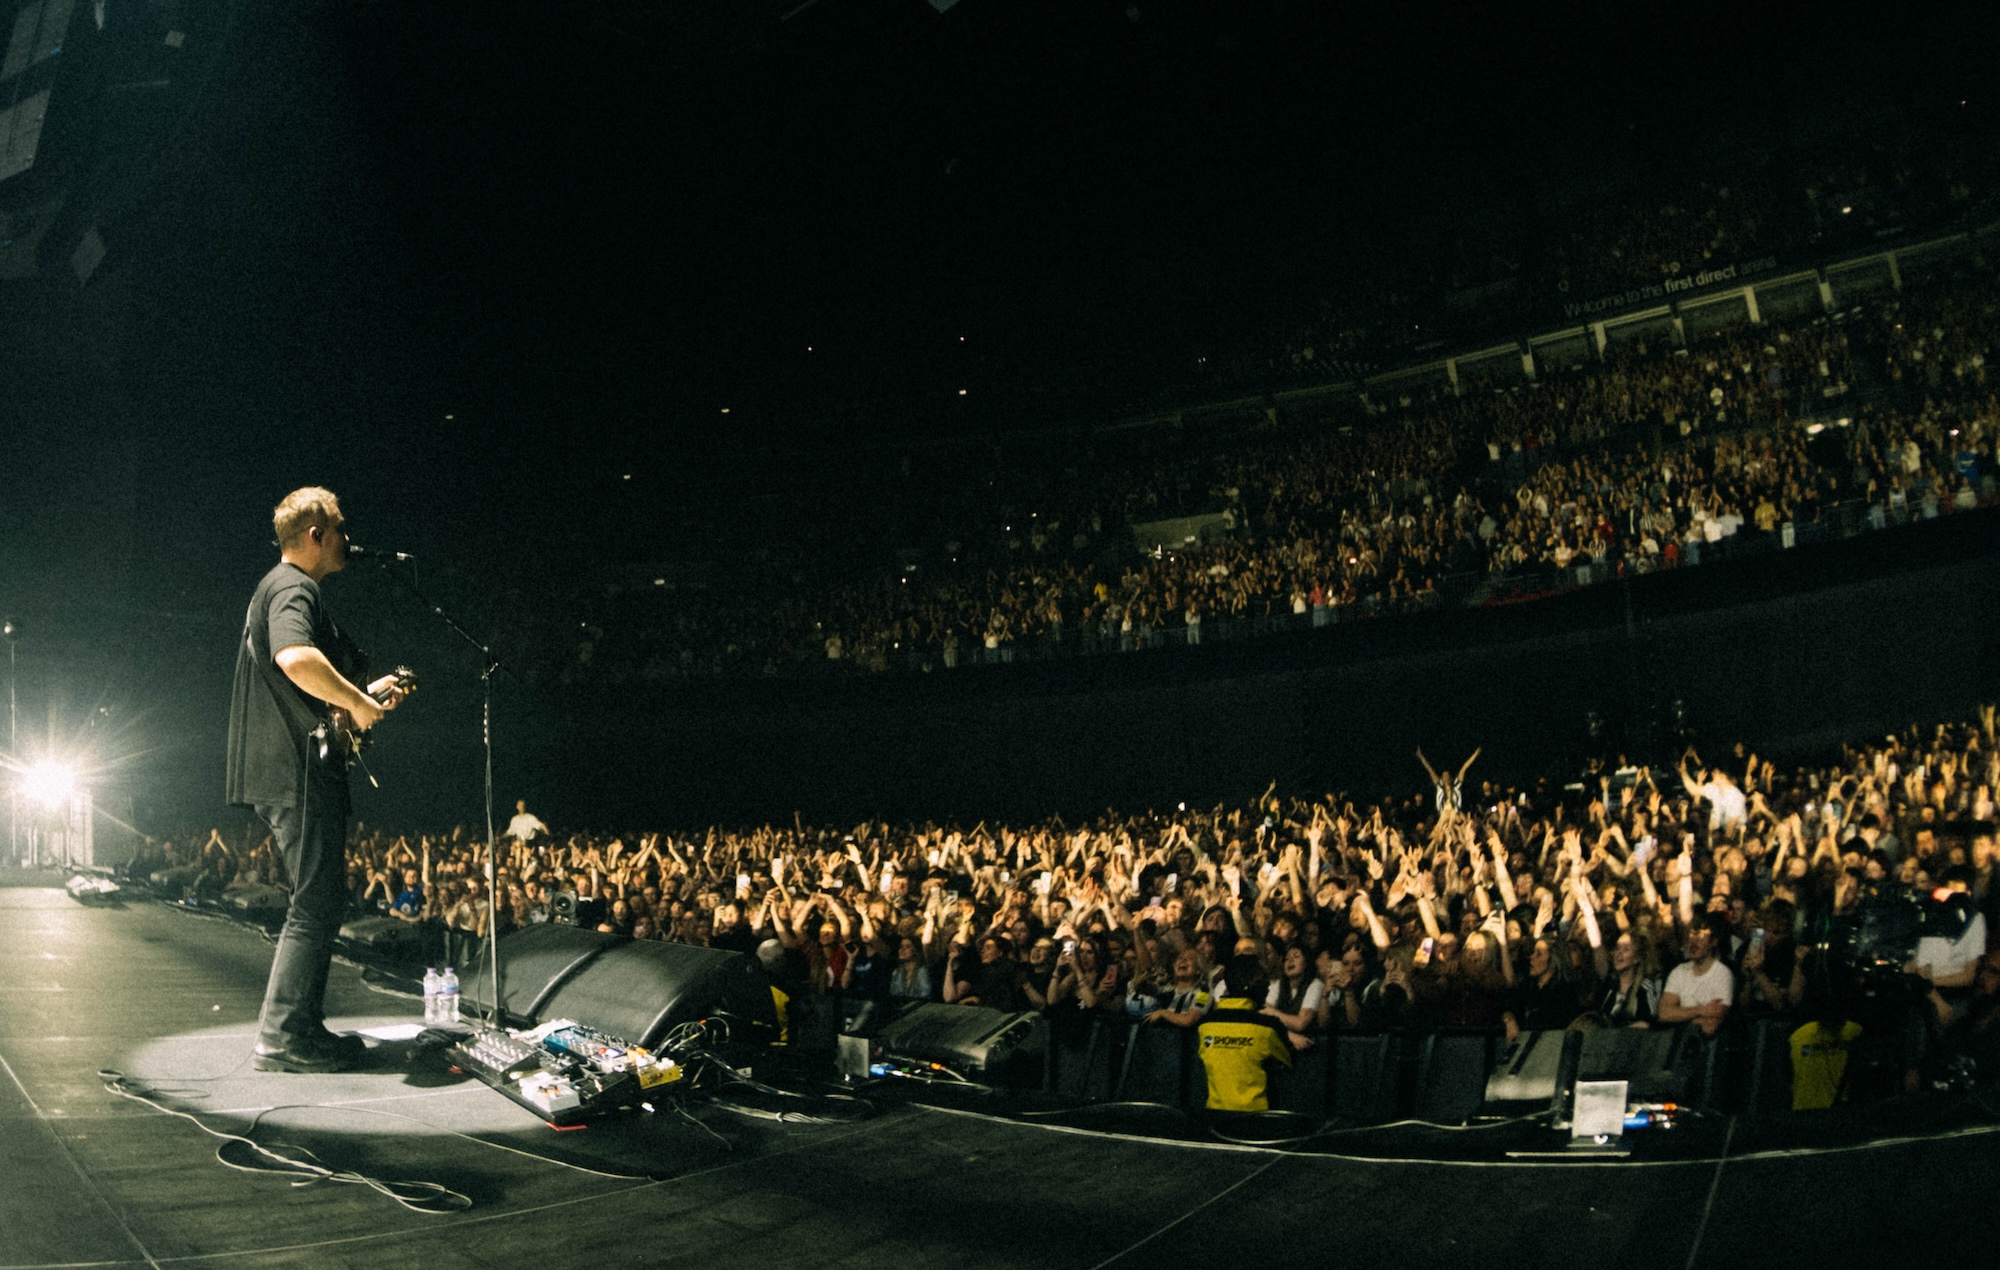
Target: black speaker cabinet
969,1038
385,937
634,989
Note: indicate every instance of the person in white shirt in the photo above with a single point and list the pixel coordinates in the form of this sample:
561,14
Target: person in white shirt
525,824
1727,806
1950,965
1701,989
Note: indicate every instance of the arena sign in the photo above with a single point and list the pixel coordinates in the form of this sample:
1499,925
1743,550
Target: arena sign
1682,285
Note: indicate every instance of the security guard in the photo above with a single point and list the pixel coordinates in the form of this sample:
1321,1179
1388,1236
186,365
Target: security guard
1236,1041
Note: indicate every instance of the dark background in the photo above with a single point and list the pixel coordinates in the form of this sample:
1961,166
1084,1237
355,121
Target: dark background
494,271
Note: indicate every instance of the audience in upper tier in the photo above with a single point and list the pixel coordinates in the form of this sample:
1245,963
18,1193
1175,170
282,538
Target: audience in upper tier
1655,458
1716,889
1750,207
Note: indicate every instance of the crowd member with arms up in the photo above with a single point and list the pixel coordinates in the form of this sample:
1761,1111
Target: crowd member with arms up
1360,885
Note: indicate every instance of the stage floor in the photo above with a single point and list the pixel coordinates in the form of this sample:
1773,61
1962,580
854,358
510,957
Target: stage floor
169,999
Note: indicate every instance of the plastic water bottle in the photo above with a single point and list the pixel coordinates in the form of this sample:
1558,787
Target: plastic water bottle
448,998
433,989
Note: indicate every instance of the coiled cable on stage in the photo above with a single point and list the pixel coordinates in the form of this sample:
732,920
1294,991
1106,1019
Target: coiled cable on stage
430,1198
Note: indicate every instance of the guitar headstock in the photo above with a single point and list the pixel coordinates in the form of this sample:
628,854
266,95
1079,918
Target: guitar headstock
406,680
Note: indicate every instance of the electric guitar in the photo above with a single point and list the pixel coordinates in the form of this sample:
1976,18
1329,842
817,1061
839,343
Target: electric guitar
338,743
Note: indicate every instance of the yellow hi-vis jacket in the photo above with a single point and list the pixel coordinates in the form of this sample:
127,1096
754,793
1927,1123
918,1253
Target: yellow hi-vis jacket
1235,1043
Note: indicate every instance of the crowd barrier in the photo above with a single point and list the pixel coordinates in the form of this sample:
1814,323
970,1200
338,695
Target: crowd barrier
1446,1076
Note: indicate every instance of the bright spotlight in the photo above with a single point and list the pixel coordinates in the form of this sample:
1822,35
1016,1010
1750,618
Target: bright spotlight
50,784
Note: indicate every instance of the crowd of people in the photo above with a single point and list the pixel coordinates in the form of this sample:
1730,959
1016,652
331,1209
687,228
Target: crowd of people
1658,455
1720,888
1655,452
1612,244
1752,203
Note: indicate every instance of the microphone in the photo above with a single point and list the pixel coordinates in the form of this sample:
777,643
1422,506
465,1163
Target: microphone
357,552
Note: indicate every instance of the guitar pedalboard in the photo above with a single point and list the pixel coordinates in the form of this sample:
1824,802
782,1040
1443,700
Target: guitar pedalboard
563,1072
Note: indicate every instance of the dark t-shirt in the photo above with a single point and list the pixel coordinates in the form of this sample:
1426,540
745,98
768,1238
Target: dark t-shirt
871,974
997,984
1545,1007
269,717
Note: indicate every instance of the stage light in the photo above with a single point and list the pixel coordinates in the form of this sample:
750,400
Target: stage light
49,784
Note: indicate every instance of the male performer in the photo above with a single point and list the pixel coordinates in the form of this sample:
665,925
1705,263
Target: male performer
291,665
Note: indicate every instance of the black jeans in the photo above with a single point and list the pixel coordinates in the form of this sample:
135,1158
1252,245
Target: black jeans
312,841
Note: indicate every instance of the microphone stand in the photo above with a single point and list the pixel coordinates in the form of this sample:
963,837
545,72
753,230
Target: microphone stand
489,666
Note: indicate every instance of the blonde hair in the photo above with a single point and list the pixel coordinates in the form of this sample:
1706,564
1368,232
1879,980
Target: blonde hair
304,510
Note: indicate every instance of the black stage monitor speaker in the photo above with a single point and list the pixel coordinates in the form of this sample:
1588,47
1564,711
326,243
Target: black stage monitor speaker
1537,1070
258,901
1542,1068
965,1038
384,936
1641,1057
634,989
